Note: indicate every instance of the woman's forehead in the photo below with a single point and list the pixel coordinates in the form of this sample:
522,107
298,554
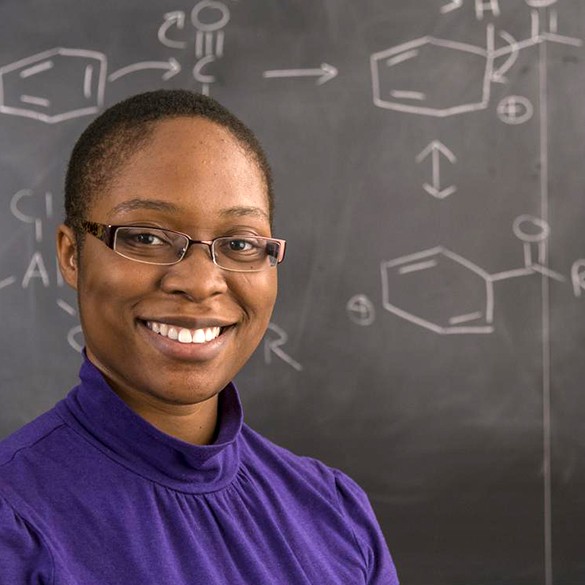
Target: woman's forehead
191,133
185,163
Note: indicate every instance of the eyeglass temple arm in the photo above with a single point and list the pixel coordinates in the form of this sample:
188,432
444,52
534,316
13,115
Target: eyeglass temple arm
105,233
281,250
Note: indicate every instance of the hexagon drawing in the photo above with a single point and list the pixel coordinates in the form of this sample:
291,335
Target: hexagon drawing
440,291
55,85
418,77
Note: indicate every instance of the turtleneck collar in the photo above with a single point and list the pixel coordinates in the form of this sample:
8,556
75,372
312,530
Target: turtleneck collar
97,412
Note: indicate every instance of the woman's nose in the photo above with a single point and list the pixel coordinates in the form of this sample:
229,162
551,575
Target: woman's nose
196,275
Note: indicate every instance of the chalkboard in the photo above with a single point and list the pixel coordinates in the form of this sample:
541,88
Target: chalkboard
428,160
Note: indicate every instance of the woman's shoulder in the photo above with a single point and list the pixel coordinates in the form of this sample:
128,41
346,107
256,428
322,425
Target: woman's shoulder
29,443
283,465
335,502
259,446
22,548
28,436
24,457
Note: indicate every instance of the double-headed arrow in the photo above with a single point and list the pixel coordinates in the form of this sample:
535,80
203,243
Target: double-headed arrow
435,149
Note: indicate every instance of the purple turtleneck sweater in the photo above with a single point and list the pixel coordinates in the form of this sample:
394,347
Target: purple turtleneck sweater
92,494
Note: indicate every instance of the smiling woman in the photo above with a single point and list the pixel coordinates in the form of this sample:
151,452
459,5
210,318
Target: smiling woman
145,472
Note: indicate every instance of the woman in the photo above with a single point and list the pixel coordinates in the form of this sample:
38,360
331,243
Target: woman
145,472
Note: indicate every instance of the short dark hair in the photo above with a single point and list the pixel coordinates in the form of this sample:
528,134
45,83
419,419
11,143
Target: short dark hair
119,132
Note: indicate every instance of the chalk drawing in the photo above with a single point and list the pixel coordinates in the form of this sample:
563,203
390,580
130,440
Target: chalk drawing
361,310
274,340
435,149
397,82
407,281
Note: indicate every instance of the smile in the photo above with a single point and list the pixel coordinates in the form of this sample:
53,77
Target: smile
183,335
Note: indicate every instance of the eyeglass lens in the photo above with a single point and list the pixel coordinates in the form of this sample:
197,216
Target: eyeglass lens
158,246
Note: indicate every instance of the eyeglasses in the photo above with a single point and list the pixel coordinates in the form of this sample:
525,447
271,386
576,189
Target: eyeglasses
165,247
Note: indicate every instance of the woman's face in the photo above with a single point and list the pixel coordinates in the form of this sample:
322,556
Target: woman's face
192,176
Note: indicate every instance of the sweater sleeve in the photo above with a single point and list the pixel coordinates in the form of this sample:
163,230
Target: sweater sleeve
379,567
24,559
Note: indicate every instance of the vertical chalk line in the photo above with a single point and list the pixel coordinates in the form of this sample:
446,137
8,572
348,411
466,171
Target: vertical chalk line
546,390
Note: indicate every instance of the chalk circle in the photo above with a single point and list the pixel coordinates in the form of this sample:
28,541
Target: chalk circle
224,16
76,344
515,109
531,229
361,310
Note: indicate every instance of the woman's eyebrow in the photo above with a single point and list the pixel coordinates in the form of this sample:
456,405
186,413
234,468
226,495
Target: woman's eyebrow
138,203
244,211
159,205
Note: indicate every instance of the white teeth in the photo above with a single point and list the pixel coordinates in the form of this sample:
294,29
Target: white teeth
184,335
211,333
199,336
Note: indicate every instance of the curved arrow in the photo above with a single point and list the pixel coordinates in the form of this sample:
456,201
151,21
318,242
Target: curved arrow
498,75
177,19
172,68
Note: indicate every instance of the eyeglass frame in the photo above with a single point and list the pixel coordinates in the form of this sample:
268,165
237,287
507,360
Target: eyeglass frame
106,233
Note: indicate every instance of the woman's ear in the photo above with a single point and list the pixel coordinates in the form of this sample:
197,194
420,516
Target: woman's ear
67,255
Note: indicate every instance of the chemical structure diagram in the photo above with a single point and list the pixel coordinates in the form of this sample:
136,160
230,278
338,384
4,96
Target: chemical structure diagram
408,282
36,212
33,87
397,83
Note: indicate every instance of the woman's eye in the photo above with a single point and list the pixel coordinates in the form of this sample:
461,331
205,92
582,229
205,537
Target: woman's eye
148,239
142,238
240,245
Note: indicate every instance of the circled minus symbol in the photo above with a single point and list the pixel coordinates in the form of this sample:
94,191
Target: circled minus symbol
515,110
361,310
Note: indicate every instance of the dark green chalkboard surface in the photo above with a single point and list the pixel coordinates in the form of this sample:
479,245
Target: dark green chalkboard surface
429,158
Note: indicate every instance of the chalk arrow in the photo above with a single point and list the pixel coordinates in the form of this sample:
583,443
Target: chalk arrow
435,149
171,66
453,5
177,19
324,73
498,76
